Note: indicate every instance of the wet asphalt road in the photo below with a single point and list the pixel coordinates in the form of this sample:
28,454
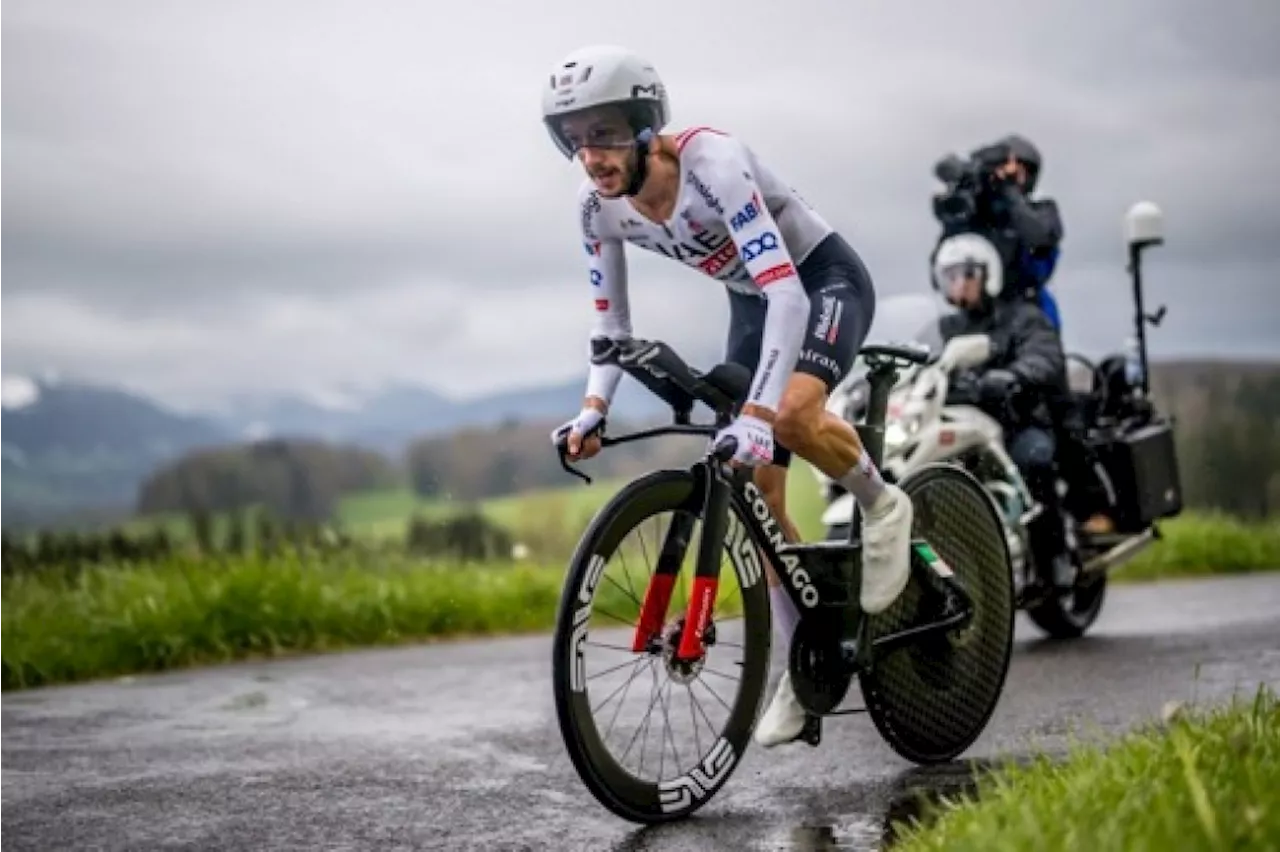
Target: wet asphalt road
454,746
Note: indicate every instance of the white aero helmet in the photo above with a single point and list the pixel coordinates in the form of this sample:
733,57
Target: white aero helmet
969,254
604,74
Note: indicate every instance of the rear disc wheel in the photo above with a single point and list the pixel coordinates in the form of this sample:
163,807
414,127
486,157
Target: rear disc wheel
930,700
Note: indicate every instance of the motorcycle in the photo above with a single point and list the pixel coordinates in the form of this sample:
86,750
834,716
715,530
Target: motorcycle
1117,464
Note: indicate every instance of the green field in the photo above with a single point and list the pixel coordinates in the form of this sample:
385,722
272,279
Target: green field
110,619
550,520
382,515
1207,780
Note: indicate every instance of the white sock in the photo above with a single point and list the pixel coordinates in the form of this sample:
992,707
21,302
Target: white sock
863,482
785,617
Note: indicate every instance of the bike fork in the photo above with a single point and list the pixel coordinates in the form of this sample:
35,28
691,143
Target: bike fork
706,575
657,595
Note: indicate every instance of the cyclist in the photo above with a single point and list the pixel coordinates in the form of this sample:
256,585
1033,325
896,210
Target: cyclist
801,302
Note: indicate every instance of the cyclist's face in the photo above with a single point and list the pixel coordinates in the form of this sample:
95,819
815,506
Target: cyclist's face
603,141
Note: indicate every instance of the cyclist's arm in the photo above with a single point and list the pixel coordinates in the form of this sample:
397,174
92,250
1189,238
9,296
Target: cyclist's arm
759,241
607,278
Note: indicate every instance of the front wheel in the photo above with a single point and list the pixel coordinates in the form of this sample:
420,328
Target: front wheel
699,712
930,700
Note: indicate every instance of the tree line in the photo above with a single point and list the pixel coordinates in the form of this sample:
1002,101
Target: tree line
296,479
462,537
1229,449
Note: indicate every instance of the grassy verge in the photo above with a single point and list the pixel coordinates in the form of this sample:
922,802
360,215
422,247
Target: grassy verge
1206,781
117,619
1197,544
110,620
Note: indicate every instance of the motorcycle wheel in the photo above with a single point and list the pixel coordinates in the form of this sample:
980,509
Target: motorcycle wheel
1068,616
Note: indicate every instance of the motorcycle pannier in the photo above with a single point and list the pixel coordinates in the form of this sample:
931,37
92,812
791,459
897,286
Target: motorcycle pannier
1143,467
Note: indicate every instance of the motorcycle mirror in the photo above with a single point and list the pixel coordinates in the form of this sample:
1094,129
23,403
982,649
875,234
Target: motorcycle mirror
966,350
1144,225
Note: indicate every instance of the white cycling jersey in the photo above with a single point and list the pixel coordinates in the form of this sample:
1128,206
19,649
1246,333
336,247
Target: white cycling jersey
736,221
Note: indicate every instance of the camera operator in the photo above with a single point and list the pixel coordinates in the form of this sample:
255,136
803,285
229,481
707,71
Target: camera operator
1020,385
990,194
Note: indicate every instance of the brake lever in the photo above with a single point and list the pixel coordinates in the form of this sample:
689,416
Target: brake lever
563,452
725,449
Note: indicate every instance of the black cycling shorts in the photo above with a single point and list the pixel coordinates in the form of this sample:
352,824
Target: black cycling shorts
842,303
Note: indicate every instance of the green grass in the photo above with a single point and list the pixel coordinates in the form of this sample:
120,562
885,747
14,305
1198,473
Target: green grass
1205,781
1196,544
109,620
116,619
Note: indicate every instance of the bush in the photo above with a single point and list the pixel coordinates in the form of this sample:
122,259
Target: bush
466,537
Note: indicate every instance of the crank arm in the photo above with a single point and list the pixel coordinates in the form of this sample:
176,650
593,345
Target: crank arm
893,641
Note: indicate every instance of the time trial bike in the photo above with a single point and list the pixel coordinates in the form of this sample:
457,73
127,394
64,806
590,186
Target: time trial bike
930,668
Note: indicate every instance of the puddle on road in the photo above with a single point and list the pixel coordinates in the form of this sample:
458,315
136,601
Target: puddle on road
918,791
912,795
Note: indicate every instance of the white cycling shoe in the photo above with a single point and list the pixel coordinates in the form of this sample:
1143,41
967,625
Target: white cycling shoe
785,718
886,549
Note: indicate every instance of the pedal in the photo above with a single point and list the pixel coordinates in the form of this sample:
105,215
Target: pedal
811,733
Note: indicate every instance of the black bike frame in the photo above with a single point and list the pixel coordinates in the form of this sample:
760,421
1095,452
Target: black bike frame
794,562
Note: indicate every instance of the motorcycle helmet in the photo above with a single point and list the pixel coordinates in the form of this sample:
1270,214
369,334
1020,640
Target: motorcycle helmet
968,254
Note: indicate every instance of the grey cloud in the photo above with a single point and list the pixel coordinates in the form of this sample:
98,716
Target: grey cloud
242,184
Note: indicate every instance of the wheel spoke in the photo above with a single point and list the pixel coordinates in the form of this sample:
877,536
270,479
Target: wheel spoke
619,768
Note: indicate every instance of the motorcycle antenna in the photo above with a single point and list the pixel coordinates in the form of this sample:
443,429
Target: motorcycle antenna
1144,228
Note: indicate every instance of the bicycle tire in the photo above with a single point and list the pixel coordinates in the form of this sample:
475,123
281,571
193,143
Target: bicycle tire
621,792
932,699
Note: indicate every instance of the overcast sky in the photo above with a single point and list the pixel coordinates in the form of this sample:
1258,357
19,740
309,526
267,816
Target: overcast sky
207,197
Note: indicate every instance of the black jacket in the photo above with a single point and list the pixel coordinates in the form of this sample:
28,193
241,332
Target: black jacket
1027,345
1019,228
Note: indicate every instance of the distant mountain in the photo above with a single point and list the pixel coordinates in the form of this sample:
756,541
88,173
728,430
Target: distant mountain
73,448
70,445
389,419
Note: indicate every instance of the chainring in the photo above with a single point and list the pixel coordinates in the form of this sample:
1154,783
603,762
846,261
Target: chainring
819,676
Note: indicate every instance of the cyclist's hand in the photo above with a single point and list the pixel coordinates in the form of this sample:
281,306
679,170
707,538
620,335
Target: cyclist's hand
579,435
754,438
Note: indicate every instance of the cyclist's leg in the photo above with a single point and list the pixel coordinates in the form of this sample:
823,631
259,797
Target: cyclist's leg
842,304
842,300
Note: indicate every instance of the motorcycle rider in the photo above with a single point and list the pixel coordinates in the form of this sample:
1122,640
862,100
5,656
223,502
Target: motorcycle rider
801,302
1021,385
1028,233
